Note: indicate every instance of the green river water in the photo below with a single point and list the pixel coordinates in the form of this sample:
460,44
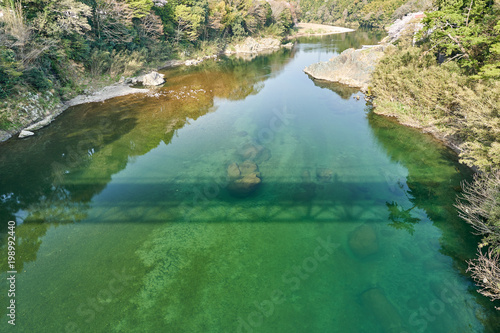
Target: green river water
125,222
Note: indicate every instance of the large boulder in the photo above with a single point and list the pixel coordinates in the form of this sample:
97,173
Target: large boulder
363,241
150,79
245,185
256,153
248,167
383,311
324,175
351,67
243,178
233,171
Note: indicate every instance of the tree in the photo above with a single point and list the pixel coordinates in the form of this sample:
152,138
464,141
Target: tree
140,8
465,31
59,17
111,20
190,20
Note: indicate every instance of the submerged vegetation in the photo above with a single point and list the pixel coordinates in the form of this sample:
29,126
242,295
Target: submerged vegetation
445,80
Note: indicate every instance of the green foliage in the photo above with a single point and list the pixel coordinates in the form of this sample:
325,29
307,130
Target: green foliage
411,85
190,20
9,71
371,13
37,79
58,17
140,8
468,32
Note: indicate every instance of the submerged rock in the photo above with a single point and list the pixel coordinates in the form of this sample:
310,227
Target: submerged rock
363,241
244,178
233,171
245,185
256,153
351,67
324,175
248,167
386,314
25,134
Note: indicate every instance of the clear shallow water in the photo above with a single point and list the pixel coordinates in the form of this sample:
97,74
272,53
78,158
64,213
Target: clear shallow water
125,223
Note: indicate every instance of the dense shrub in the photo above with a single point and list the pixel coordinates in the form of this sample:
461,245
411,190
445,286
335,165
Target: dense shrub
412,86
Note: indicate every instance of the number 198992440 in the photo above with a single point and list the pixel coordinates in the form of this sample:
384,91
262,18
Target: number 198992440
11,262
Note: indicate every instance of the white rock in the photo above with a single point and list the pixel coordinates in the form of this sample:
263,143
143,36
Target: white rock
25,133
153,79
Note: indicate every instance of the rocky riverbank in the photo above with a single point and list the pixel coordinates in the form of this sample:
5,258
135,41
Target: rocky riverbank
44,109
354,67
351,67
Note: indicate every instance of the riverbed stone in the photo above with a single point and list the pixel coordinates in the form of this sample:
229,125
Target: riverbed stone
324,175
248,167
245,185
255,153
386,314
363,241
233,171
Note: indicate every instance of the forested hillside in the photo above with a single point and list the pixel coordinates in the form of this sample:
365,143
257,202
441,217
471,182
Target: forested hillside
371,13
55,49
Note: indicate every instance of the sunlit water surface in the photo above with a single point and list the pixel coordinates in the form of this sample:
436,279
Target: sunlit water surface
125,222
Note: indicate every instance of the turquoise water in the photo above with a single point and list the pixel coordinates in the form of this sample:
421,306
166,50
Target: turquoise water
127,221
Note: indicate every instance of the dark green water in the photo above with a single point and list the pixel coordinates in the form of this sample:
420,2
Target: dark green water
125,223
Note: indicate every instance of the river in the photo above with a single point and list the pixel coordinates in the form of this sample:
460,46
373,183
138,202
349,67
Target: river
128,222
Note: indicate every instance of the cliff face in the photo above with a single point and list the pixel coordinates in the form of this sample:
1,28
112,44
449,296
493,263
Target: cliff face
351,67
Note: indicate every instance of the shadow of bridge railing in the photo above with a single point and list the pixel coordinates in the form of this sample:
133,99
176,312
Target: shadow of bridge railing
203,201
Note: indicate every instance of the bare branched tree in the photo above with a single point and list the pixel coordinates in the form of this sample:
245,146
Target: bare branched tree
152,25
486,272
111,20
480,207
480,202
